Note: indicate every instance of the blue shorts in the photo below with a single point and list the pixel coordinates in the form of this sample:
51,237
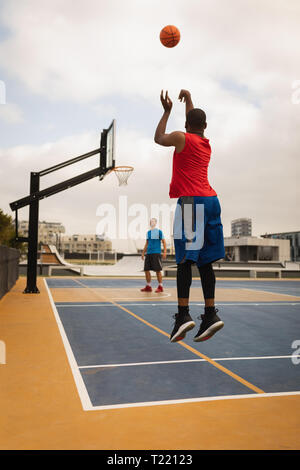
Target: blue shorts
198,231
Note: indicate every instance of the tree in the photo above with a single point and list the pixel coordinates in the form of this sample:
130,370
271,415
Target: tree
7,232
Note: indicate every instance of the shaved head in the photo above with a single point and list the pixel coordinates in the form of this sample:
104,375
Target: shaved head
196,119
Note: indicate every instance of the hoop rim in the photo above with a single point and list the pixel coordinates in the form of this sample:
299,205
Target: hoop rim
123,168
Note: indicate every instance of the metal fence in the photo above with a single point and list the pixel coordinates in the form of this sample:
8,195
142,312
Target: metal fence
9,268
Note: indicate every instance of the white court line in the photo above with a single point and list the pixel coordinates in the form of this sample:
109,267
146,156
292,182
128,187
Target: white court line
192,400
254,357
270,292
140,363
84,304
107,366
82,391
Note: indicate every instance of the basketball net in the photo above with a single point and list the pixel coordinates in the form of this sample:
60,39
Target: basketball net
123,173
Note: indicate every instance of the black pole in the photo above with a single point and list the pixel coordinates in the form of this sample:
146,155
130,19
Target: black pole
17,225
56,188
31,287
68,162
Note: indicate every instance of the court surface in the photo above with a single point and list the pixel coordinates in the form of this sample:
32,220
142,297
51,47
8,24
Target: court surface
89,366
117,342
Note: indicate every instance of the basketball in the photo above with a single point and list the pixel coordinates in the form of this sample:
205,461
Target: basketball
170,36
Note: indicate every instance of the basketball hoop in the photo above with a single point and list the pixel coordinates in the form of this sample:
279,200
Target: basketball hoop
123,173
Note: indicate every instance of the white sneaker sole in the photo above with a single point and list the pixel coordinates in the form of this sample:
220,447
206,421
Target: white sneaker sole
183,330
209,332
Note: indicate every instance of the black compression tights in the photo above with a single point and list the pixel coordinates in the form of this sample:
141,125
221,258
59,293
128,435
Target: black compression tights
184,280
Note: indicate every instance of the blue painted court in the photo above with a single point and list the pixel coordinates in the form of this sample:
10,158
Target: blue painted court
121,354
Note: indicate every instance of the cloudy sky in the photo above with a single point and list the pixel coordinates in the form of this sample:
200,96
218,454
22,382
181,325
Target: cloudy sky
68,67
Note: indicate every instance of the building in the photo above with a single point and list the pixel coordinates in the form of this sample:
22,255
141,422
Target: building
52,233
49,232
241,227
293,237
256,249
83,244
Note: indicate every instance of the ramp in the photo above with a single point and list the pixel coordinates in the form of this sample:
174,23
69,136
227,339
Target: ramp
51,256
127,266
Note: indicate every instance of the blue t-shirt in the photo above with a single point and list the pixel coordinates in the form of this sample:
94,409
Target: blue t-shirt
154,238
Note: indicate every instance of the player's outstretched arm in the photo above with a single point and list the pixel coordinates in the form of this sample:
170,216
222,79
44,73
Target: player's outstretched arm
177,138
185,95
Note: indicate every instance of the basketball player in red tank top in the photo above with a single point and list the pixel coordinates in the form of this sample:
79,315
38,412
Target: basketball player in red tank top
190,185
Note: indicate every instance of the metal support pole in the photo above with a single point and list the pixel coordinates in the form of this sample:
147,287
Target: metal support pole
31,287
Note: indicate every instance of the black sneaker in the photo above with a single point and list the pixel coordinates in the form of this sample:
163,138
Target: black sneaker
210,324
183,324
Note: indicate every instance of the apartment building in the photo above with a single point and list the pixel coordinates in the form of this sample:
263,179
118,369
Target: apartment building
49,232
83,244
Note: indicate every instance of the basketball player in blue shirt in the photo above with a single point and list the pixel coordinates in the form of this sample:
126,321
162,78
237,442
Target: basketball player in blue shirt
152,249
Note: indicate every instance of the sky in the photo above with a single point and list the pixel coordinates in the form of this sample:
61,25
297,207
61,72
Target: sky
68,67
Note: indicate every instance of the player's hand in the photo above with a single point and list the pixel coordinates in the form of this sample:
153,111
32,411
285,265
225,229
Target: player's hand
164,255
143,256
166,101
184,95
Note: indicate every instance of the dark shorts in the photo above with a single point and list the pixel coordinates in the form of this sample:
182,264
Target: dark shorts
153,262
198,230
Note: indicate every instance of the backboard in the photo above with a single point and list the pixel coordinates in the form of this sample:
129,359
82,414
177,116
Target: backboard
107,148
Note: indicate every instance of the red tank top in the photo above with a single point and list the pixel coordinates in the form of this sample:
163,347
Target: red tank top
190,166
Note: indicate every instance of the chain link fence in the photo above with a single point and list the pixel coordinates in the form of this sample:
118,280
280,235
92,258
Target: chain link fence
9,268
